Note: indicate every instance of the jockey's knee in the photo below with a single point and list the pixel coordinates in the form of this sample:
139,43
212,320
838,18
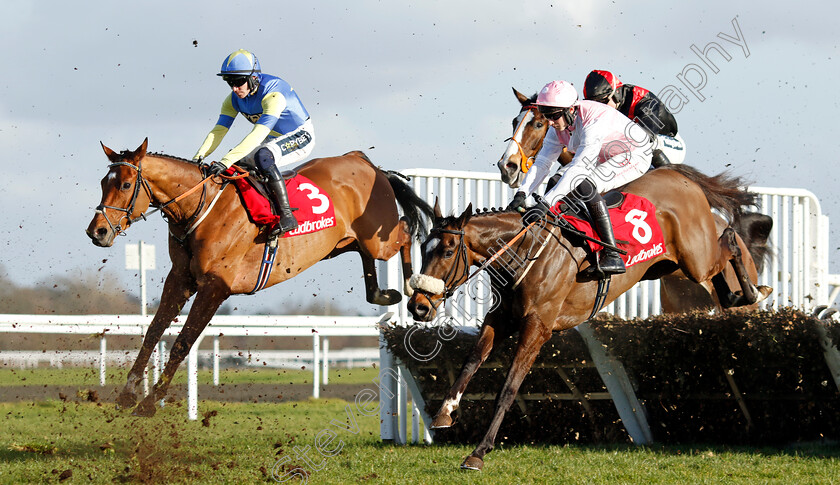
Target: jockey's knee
264,159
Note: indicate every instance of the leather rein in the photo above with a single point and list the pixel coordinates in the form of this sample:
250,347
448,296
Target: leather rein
451,281
141,181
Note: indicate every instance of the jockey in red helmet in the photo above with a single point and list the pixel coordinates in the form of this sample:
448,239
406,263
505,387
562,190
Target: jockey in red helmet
643,107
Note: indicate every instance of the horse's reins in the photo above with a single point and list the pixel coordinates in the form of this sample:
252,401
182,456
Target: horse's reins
448,290
142,182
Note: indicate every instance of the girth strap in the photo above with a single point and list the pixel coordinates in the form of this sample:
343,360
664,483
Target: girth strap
266,265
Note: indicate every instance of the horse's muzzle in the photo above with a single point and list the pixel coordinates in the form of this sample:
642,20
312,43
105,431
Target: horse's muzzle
100,235
511,174
421,308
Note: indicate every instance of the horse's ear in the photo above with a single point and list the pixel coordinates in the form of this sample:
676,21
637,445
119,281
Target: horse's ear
465,216
111,154
438,214
141,150
523,100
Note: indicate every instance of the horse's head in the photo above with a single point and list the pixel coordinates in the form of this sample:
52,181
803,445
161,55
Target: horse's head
529,129
446,264
125,195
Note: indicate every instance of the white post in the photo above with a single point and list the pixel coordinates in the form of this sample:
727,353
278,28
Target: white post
401,408
326,359
415,421
192,383
386,403
102,360
316,348
216,360
162,352
156,363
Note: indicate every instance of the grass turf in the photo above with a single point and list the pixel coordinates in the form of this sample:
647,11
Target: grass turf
45,441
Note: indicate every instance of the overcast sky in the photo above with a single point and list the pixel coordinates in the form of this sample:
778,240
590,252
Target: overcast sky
426,84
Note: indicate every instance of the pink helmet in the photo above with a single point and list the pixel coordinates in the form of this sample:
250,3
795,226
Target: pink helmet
558,94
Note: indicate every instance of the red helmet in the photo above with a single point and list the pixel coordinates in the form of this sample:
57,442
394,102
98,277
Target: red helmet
600,86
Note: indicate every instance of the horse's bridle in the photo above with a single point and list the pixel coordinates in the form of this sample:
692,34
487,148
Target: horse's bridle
525,163
100,209
144,215
450,281
461,255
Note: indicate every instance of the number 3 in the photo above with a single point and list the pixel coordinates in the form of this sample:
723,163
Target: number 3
641,230
314,194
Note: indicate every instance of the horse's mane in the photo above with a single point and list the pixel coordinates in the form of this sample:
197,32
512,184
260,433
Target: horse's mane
480,212
157,154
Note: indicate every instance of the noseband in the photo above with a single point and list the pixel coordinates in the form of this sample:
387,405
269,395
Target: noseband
525,163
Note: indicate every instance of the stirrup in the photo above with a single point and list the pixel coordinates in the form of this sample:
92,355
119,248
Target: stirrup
598,271
279,229
614,263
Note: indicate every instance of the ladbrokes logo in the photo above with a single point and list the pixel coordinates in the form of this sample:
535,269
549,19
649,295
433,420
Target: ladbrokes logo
306,227
646,254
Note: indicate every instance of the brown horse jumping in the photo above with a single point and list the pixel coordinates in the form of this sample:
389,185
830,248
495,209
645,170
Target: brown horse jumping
678,294
220,255
552,296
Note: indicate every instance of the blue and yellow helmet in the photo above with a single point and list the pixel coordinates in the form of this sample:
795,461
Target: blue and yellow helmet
240,63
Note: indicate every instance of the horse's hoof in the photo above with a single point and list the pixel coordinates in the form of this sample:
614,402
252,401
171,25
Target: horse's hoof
472,463
441,421
145,409
763,292
126,400
386,298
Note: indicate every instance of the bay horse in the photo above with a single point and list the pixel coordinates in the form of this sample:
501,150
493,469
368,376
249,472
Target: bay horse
678,294
549,295
222,255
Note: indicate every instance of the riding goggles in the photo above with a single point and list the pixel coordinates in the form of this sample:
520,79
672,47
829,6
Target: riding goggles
552,113
235,81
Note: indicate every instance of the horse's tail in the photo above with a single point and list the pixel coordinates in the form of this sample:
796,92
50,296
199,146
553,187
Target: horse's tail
725,192
415,209
754,229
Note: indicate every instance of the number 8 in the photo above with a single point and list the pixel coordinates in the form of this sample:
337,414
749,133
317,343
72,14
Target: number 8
641,230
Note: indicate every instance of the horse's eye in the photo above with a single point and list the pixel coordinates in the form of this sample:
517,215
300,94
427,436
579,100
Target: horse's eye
448,253
539,124
126,185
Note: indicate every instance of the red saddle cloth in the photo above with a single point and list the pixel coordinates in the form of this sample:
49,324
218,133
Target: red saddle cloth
314,212
633,221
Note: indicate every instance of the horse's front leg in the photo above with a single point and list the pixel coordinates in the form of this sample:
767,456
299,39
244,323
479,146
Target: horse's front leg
177,289
532,337
489,337
207,301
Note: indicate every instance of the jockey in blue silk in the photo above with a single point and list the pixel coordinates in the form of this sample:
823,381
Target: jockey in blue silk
282,132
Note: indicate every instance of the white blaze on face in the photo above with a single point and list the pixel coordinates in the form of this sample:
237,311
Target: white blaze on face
431,245
111,176
522,120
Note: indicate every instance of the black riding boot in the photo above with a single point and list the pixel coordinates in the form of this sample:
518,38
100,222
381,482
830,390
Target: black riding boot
659,159
277,187
609,261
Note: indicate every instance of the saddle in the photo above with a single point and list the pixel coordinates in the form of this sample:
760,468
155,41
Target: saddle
613,198
257,181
